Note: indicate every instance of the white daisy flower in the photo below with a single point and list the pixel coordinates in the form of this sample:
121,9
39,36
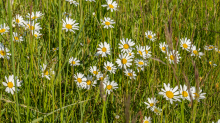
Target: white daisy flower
107,22
94,70
35,15
125,45
150,35
172,57
55,49
196,52
17,37
90,82
163,46
212,64
111,5
209,47
19,20
217,50
73,2
46,72
104,49
10,84
4,52
80,80
130,73
74,62
36,34
185,44
131,54
109,66
140,68
140,62
33,26
110,86
141,51
184,92
4,29
198,95
151,102
147,52
171,94
147,120
156,110
70,25
124,61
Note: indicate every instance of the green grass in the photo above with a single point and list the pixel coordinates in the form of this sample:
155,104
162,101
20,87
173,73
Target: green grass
60,100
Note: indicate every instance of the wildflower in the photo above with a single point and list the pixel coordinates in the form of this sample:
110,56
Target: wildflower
185,44
110,86
151,102
147,120
111,5
172,56
163,46
147,52
55,49
198,95
131,54
170,94
90,82
196,52
3,29
70,25
19,20
80,80
4,52
10,84
140,62
74,62
150,35
109,67
107,22
35,15
17,38
126,44
33,26
156,110
73,2
46,72
211,63
124,61
209,47
140,68
94,70
217,50
141,51
36,34
104,49
184,92
130,73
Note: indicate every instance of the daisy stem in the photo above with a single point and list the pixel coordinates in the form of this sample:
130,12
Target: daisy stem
182,111
13,59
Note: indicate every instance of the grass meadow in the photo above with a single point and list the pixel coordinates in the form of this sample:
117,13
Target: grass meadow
114,61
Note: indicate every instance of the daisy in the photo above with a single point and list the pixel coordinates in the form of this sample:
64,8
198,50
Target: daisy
94,70
33,26
36,34
70,25
4,52
90,82
130,73
46,72
210,62
3,29
140,68
150,35
196,52
109,66
163,46
19,20
184,92
131,54
156,110
80,80
151,102
172,56
107,22
73,2
110,86
35,15
55,49
147,52
147,120
125,45
124,61
209,47
74,62
217,50
185,44
140,62
198,95
170,93
111,5
10,84
141,51
17,37
104,49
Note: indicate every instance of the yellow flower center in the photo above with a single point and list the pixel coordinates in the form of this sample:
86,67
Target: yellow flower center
95,72
140,52
35,35
124,61
151,104
146,121
146,51
10,84
126,46
68,26
185,94
31,27
55,49
2,30
109,68
73,62
104,49
129,74
140,63
89,82
17,20
79,80
211,47
163,48
3,53
185,46
210,63
169,94
196,95
107,23
149,36
109,87
129,54
46,73
35,17
171,57
111,6
101,78
16,38
195,52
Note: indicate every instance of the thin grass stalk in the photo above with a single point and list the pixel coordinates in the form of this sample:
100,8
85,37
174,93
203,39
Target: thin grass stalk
13,59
